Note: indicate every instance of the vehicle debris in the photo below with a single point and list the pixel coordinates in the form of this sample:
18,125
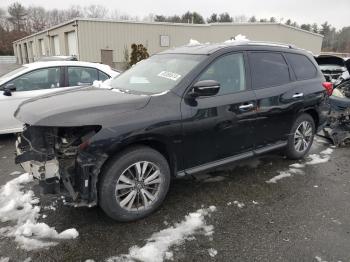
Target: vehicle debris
336,70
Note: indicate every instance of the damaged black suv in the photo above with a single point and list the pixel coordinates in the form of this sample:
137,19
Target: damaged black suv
179,112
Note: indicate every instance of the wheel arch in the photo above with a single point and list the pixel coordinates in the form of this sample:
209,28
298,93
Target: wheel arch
153,142
314,114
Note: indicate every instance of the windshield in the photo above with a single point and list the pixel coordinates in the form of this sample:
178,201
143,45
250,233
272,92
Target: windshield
157,74
22,68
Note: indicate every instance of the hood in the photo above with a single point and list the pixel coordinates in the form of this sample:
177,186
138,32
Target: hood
347,64
330,60
79,107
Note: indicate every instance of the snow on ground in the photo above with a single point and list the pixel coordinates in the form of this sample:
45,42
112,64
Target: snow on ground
319,259
314,159
282,174
157,247
212,252
19,206
238,204
4,259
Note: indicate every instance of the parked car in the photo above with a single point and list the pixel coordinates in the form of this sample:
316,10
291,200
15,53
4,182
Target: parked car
180,112
40,78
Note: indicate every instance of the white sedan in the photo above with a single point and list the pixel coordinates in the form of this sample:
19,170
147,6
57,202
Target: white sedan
40,78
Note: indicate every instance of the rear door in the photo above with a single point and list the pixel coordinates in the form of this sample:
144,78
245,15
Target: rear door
220,126
278,98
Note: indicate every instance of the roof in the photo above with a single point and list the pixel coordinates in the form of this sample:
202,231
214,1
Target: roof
36,65
206,49
165,23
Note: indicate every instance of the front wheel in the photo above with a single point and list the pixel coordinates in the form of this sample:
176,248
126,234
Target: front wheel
301,137
134,184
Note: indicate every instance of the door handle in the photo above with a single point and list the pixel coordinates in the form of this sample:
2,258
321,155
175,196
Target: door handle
246,107
298,95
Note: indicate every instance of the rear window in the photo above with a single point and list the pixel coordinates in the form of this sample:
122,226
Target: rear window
302,66
268,69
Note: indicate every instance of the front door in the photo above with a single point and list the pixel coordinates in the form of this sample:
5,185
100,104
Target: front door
32,84
218,127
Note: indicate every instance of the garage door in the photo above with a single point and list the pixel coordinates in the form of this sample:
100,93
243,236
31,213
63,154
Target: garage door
72,43
56,45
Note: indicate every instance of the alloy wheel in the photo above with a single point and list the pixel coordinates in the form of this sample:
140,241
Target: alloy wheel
303,136
138,186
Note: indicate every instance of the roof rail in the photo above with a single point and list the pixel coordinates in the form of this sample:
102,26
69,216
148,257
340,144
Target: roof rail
271,44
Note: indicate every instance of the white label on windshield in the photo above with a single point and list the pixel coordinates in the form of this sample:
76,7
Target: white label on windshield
169,75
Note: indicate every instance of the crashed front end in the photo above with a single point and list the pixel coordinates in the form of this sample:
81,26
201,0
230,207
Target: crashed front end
58,158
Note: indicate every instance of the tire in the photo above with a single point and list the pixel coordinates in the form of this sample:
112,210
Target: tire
294,138
122,171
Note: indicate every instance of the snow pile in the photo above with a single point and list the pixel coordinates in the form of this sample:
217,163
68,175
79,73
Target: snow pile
157,246
237,38
193,42
212,252
20,207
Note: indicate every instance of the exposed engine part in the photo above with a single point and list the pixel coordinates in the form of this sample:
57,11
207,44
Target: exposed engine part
338,127
56,157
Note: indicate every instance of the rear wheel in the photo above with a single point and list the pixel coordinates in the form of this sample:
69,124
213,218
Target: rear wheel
134,184
301,137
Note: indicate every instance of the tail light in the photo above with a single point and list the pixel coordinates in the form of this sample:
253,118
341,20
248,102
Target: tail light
329,87
84,145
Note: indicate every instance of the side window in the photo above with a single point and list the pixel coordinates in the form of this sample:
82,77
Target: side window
80,76
39,79
229,71
302,66
102,76
268,69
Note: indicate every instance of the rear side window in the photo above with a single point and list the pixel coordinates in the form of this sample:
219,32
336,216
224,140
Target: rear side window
268,69
80,76
302,66
102,76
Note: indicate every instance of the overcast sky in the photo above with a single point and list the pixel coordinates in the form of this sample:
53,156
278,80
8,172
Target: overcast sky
336,12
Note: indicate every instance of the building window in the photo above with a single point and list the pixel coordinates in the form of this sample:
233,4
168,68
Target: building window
164,41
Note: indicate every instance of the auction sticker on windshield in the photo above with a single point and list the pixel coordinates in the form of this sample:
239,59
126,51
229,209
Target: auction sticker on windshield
169,75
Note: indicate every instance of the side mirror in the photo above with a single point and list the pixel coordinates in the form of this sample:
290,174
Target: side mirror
206,88
9,89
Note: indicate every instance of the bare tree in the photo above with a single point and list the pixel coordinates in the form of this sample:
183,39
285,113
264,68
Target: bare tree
75,11
37,18
96,11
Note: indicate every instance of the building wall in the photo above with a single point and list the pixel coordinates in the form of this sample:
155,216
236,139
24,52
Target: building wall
96,35
30,45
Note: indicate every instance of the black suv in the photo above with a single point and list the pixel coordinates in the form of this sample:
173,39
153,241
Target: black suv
179,112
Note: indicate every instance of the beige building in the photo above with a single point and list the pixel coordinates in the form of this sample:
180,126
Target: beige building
106,41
